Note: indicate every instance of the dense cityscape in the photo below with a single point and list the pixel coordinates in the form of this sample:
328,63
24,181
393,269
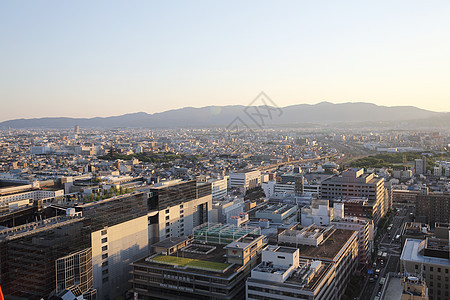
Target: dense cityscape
225,150
311,213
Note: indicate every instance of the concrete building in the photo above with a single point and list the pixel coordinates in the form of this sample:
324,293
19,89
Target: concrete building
283,275
355,183
222,211
402,174
176,207
246,179
365,229
398,287
420,166
433,207
414,230
278,213
47,257
219,187
214,265
119,236
327,244
428,259
405,196
320,212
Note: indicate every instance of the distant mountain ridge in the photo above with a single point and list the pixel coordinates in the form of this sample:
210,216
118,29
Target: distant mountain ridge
324,113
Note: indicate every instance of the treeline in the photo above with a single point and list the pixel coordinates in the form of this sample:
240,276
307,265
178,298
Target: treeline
390,160
145,157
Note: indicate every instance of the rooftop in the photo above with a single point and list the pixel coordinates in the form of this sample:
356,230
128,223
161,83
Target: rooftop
413,251
222,233
333,242
170,242
193,261
245,241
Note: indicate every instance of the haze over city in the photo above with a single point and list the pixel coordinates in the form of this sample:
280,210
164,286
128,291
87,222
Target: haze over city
225,150
104,58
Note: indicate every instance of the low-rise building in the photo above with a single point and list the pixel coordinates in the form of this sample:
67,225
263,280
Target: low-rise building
215,264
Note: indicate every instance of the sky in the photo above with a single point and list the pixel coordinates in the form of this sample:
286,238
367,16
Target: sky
103,58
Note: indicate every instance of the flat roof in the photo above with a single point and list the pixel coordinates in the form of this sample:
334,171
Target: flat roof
192,262
330,247
394,288
170,242
411,252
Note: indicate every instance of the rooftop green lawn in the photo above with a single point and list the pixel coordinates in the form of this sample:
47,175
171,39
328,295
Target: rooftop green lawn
172,260
189,262
208,264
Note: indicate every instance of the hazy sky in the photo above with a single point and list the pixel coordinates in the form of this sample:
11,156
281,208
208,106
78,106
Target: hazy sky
101,58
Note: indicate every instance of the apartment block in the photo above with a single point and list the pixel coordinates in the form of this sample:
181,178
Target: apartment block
355,183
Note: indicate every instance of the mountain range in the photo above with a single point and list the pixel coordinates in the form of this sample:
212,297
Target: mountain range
321,114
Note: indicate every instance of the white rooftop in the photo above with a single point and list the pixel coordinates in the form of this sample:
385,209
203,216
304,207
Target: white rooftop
411,253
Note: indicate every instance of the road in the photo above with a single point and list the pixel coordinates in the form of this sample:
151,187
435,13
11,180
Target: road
387,243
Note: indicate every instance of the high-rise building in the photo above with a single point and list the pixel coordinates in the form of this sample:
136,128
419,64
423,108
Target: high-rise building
420,165
355,183
119,236
176,207
76,129
47,257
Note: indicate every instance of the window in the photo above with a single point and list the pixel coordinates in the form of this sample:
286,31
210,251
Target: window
104,256
167,223
168,230
439,270
181,206
105,279
181,216
104,232
104,240
104,248
105,272
167,211
105,264
431,269
167,217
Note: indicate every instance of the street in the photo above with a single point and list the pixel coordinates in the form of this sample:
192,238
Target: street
389,244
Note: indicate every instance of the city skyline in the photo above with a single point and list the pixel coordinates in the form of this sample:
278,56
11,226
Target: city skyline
103,59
